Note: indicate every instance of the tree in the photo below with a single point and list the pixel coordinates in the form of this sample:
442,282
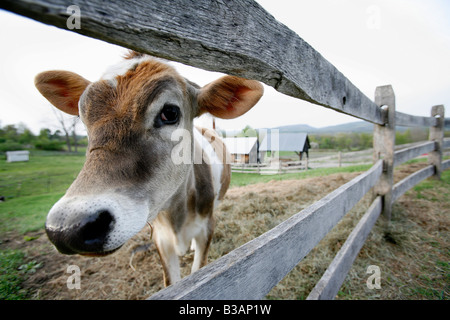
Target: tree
15,137
366,141
68,125
247,132
27,137
48,141
45,134
10,133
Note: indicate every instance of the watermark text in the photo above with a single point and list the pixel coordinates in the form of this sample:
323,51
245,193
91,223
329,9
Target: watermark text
74,21
74,280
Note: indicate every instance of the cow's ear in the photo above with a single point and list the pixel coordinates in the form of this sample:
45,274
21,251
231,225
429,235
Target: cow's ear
229,97
62,88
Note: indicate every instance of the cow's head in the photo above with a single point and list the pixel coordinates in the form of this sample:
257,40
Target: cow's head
130,116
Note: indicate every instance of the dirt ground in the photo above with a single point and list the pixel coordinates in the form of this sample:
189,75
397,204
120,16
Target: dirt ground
134,271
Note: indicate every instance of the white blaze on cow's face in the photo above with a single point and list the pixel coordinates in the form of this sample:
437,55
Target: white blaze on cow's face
130,115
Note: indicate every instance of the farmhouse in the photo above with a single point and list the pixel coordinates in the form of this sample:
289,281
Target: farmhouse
286,141
243,149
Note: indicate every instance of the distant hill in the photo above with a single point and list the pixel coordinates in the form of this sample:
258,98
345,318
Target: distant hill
297,128
350,127
359,126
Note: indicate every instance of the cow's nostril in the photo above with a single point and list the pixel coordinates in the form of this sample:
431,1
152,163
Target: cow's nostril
94,228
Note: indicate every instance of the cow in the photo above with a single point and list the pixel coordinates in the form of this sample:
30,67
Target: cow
133,174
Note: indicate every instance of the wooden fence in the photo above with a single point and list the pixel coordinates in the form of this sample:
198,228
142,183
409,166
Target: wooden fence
247,41
331,160
279,168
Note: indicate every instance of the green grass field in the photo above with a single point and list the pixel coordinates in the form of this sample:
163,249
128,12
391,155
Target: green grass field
31,188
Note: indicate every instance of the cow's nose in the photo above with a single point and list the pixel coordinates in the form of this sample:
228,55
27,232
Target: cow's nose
94,229
87,236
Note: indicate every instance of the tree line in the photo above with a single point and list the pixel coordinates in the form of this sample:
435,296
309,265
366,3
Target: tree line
355,141
19,137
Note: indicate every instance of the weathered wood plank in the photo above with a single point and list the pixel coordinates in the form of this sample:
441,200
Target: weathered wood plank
252,270
404,155
236,36
437,135
328,286
384,146
445,164
404,185
446,144
407,120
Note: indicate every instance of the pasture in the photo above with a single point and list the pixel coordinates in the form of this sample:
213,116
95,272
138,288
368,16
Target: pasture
412,254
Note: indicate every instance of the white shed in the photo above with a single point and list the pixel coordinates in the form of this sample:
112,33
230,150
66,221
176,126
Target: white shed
15,156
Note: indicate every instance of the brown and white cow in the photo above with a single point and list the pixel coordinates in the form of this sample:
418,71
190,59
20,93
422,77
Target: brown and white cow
133,116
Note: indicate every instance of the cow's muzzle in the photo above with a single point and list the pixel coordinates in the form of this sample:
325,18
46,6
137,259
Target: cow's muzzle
86,236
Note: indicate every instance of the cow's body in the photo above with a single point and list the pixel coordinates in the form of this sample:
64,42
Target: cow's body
145,161
189,214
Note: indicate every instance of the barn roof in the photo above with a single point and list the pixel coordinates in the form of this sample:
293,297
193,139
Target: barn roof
287,141
241,145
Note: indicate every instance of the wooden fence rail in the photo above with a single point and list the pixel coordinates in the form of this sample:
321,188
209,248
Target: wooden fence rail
247,41
407,120
328,286
401,187
445,165
446,144
413,152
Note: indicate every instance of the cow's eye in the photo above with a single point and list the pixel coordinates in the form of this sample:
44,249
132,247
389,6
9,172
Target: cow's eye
170,114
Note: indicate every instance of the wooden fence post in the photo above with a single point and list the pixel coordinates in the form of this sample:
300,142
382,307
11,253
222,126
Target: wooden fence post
437,135
384,147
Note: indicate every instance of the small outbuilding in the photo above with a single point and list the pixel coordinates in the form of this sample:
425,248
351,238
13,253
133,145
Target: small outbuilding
242,149
15,156
286,141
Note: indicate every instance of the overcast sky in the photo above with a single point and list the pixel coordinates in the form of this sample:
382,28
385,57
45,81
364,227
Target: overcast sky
405,43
